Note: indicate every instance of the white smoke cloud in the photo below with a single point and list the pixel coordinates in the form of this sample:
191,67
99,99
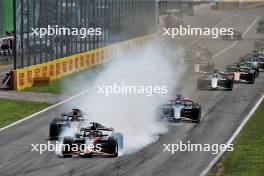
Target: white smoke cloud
132,114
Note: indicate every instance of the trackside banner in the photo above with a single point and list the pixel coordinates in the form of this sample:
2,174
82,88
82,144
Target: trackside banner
23,77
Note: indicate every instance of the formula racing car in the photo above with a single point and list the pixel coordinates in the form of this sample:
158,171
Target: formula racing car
181,108
242,73
216,80
95,140
260,28
259,45
261,22
236,36
203,66
68,121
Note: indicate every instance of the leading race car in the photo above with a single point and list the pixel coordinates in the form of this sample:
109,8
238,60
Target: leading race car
260,28
242,73
95,140
181,108
196,51
203,65
68,121
199,59
236,36
261,22
216,80
259,45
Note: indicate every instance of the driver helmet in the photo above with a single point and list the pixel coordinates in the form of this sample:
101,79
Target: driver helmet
75,115
215,71
178,99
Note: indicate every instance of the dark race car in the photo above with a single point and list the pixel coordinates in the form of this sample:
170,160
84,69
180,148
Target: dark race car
253,62
236,36
203,66
95,140
259,45
261,63
68,121
261,22
260,28
242,73
199,59
216,80
181,109
197,51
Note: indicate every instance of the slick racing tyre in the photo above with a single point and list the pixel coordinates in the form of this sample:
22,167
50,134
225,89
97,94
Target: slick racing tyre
229,84
67,146
196,113
54,130
119,138
112,146
251,78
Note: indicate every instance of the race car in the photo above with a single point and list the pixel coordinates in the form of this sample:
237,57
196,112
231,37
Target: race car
203,66
72,121
251,63
261,63
257,62
199,59
236,36
216,80
95,140
196,51
259,45
242,73
260,28
261,22
181,109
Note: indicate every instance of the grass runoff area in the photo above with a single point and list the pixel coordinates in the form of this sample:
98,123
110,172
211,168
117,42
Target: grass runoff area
247,159
13,110
69,84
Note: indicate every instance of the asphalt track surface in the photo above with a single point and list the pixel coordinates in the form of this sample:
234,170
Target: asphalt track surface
223,111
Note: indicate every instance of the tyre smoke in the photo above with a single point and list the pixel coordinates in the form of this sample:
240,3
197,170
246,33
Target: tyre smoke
134,114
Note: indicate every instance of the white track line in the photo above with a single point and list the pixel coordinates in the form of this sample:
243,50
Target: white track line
233,44
51,107
218,156
216,25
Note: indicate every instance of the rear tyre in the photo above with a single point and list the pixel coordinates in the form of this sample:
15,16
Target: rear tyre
119,138
67,146
112,146
251,78
229,85
196,113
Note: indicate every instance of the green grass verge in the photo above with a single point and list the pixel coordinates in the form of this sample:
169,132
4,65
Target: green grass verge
13,110
247,159
69,84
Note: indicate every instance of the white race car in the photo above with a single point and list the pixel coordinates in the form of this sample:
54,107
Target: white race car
216,80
